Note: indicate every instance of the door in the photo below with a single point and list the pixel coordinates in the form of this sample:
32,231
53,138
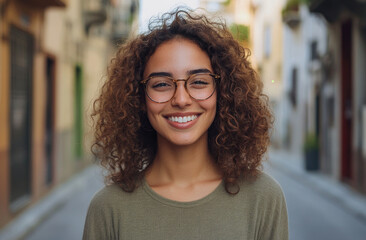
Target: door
50,109
346,101
21,78
78,112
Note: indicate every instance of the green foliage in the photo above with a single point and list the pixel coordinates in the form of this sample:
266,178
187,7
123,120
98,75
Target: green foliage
293,5
240,32
131,18
227,2
311,142
308,2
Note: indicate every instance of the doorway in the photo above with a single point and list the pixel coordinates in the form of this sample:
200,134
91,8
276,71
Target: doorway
78,108
50,116
346,101
20,114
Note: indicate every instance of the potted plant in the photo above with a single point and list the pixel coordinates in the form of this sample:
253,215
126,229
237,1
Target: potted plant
290,13
311,152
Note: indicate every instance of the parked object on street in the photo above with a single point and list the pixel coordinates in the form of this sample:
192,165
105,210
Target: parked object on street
311,152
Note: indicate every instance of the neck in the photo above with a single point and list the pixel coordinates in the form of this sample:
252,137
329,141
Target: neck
182,165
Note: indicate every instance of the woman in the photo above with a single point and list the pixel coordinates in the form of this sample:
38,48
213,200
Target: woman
181,127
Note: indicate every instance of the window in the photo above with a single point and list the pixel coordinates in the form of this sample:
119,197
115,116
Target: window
267,41
314,50
293,91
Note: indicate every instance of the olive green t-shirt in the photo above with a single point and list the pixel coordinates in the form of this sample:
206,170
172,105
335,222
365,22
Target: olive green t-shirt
258,211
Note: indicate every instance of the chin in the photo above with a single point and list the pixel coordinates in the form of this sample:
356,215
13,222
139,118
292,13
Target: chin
185,140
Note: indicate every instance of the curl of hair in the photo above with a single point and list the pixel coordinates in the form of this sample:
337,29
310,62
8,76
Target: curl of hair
239,136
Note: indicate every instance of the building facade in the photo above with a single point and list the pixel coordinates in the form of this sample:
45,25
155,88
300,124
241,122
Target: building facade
23,174
267,45
305,41
54,56
344,86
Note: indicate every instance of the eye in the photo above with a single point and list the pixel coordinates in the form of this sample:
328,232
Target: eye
160,84
200,81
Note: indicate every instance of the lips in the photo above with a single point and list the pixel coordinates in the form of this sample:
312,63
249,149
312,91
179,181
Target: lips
182,120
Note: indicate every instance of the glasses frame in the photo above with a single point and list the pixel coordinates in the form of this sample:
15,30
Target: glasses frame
175,80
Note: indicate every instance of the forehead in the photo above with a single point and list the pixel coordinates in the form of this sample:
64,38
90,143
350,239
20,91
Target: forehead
177,56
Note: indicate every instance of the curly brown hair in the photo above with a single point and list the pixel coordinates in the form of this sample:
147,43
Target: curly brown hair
239,136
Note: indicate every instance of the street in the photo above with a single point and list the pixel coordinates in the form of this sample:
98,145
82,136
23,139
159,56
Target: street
312,215
67,221
315,216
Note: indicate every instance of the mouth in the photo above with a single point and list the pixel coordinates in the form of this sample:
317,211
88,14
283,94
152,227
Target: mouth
184,119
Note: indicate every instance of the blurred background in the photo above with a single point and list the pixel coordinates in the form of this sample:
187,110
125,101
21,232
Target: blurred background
310,55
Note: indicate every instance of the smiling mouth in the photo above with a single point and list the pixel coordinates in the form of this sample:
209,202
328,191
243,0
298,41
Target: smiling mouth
183,119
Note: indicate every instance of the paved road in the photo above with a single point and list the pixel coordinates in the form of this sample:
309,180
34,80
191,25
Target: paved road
67,221
312,215
316,216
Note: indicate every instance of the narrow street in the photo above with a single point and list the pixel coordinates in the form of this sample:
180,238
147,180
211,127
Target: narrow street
312,214
67,221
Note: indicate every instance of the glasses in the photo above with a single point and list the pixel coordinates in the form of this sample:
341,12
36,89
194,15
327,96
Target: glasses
161,89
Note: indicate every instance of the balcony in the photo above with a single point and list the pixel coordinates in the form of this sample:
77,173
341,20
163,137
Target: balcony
94,17
94,13
120,31
123,16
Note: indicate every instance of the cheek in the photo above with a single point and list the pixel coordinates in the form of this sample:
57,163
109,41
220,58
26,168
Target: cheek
149,109
152,110
210,105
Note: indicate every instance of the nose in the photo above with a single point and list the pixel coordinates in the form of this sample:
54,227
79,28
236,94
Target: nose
181,97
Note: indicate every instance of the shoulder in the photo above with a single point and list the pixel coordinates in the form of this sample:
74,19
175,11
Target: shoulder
266,182
105,209
111,198
263,186
109,193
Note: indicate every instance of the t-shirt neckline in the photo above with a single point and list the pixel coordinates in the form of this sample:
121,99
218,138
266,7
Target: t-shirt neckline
180,204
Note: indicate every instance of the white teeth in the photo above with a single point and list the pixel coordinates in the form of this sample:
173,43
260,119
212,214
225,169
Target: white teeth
183,119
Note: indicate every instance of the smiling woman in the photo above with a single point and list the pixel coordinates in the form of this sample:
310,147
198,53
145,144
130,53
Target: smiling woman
182,126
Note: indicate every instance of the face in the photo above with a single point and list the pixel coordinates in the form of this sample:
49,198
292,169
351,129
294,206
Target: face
178,58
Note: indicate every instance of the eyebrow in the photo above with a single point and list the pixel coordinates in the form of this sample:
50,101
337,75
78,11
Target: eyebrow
190,72
200,70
